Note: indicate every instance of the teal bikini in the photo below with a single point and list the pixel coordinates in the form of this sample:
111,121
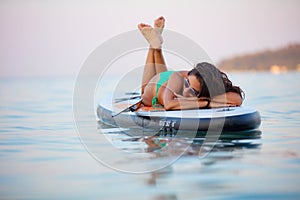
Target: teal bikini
163,78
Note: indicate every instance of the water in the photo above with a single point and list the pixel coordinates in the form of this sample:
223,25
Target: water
42,157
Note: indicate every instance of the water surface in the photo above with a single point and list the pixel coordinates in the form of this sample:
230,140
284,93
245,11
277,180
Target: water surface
42,156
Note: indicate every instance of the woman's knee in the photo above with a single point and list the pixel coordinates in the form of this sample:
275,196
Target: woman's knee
146,100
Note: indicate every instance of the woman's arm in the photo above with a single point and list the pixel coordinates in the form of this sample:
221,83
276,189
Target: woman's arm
227,99
182,104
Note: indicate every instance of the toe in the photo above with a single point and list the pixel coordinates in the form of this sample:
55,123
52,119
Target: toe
142,25
161,18
159,22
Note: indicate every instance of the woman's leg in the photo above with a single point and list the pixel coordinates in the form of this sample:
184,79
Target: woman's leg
155,62
149,69
160,65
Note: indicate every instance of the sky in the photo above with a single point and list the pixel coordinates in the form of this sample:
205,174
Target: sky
54,38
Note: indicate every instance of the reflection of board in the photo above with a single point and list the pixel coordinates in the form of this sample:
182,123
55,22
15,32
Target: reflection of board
123,114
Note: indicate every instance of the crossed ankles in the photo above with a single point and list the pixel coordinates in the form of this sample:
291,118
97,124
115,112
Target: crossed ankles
153,35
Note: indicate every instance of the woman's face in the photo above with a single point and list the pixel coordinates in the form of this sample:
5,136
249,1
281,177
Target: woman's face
191,87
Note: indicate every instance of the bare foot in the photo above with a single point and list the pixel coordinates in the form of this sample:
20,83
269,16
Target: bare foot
159,24
152,36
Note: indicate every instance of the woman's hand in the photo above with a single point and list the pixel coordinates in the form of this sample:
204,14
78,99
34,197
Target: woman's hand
214,104
227,99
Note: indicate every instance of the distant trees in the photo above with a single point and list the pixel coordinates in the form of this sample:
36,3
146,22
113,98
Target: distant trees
286,58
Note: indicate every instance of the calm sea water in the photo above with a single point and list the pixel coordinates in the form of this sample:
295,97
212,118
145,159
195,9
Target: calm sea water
42,156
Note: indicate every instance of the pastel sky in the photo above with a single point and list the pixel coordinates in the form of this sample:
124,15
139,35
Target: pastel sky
53,38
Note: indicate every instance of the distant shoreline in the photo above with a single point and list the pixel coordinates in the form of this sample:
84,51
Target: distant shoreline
275,61
273,70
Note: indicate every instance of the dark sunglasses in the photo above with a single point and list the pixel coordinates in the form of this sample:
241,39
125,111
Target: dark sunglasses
192,90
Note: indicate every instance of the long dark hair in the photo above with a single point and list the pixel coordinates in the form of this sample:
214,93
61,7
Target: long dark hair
213,82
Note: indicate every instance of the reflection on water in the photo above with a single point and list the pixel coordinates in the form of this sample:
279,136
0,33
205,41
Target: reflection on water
199,163
165,145
226,141
157,140
169,144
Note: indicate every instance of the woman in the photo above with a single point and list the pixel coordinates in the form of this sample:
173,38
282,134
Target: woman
202,87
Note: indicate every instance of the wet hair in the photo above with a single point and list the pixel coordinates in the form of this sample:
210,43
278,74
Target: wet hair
213,82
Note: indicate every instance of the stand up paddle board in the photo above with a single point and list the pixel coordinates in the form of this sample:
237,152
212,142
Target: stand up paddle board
121,112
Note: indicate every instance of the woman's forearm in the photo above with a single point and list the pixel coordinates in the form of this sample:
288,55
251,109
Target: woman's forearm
183,104
225,100
229,98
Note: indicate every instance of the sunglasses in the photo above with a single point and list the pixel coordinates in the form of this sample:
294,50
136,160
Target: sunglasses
192,90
